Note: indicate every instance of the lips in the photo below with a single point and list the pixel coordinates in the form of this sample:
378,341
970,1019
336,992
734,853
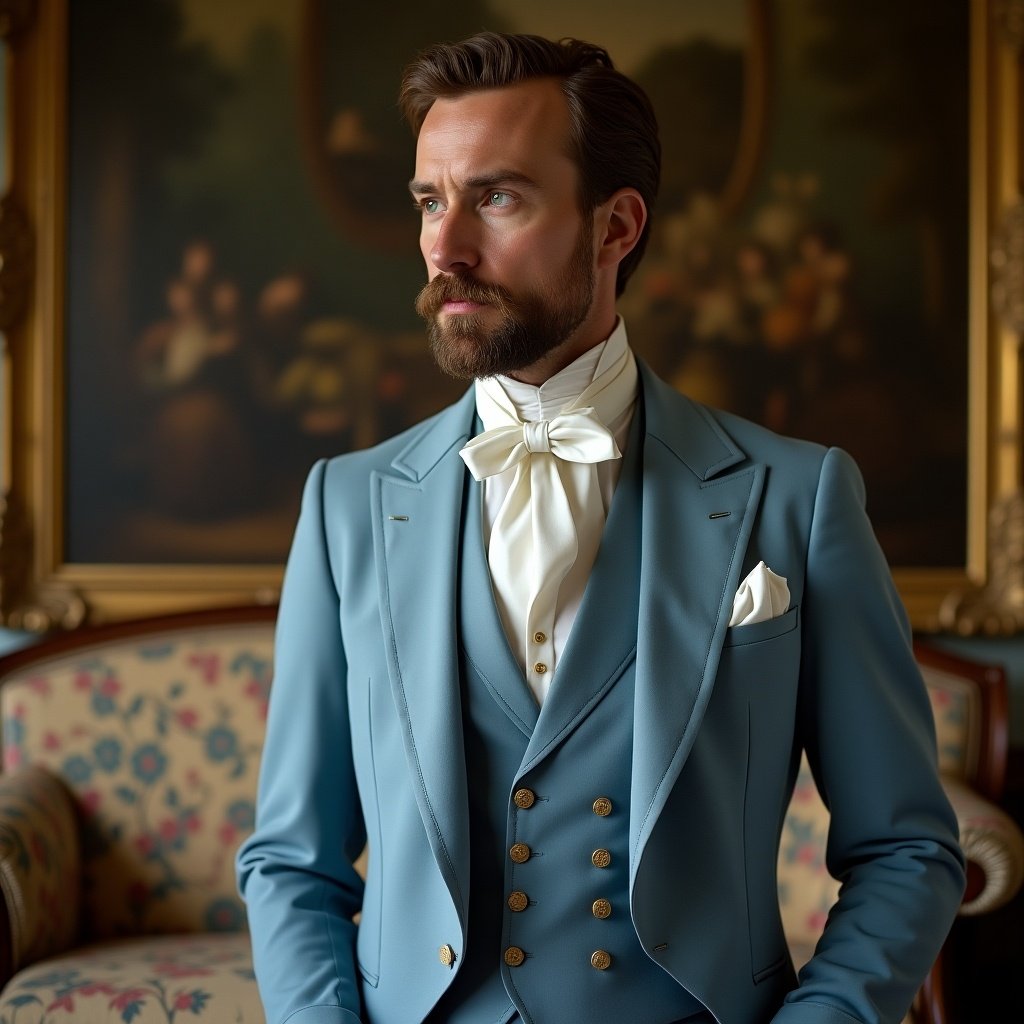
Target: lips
460,295
460,306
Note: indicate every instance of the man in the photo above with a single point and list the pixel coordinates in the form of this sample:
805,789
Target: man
554,653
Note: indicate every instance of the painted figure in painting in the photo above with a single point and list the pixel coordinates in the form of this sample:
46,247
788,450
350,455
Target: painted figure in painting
553,654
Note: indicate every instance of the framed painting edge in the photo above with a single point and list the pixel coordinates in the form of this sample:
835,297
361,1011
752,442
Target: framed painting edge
39,590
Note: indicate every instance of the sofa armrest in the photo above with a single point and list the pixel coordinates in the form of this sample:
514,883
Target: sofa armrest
993,845
40,868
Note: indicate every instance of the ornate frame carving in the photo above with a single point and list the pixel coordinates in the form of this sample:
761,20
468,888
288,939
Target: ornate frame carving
991,600
39,589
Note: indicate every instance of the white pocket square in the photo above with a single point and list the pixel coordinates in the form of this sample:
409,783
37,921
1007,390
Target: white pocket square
762,595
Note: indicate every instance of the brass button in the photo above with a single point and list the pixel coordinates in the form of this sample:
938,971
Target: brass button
446,955
520,853
601,909
600,858
600,959
517,901
524,798
514,956
539,637
540,668
602,807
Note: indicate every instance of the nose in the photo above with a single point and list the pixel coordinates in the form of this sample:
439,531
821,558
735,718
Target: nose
454,246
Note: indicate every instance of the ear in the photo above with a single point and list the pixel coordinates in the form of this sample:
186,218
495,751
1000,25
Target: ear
619,222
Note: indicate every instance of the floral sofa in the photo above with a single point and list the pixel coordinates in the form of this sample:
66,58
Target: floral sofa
130,758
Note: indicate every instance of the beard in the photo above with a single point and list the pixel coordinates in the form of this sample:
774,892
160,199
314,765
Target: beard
528,327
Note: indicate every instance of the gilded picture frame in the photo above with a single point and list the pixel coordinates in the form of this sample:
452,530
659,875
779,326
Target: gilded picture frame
41,587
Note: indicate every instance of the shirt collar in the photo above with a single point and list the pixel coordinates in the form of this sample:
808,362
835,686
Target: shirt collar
550,398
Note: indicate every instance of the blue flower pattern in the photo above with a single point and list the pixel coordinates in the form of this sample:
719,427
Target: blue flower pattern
108,754
221,743
77,770
242,814
148,763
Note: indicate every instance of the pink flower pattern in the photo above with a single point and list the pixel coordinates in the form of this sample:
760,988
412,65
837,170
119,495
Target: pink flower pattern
169,978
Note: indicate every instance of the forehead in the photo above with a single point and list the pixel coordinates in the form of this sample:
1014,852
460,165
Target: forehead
524,127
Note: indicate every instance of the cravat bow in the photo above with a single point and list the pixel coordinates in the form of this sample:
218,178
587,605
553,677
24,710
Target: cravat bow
575,436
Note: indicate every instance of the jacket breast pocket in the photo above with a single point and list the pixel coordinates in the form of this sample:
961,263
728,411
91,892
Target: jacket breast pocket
759,632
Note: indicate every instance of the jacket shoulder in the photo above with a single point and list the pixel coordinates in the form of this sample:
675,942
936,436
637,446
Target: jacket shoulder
441,428
764,444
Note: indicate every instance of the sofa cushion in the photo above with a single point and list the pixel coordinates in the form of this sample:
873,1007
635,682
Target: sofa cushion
152,980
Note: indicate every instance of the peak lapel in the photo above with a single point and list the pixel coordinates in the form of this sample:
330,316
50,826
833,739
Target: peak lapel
416,515
700,498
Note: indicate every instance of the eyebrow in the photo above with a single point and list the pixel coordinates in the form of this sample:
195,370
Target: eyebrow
482,181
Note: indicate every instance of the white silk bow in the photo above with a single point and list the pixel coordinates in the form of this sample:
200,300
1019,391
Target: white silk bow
576,436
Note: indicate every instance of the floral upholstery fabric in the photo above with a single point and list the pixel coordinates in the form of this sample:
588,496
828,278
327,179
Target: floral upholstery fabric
38,863
956,704
155,980
159,742
806,889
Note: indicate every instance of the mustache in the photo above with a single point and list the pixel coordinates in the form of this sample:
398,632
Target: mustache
458,288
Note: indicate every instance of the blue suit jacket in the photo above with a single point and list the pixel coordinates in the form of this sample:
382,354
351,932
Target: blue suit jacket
364,735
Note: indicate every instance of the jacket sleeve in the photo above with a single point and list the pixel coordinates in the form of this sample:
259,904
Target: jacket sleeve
296,871
868,729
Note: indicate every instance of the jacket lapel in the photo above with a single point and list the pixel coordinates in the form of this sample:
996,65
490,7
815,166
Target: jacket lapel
700,498
416,512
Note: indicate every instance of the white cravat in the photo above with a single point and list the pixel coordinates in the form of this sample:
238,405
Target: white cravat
549,469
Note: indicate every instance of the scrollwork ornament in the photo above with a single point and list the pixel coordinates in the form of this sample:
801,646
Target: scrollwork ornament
1009,19
1006,257
16,248
16,16
37,610
54,606
997,609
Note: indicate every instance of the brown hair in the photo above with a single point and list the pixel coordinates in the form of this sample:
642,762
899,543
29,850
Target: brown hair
613,130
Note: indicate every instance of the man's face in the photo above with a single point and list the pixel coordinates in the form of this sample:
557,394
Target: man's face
510,257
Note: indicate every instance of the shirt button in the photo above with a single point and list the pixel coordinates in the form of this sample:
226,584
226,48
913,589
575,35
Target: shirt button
446,955
539,637
600,858
540,668
600,959
517,901
602,807
520,853
524,798
601,909
514,956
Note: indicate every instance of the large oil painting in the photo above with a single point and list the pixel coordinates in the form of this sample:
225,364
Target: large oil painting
242,254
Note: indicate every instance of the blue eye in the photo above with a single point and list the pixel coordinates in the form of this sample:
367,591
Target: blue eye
499,199
431,205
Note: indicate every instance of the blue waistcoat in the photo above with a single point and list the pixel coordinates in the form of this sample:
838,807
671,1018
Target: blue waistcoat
549,805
